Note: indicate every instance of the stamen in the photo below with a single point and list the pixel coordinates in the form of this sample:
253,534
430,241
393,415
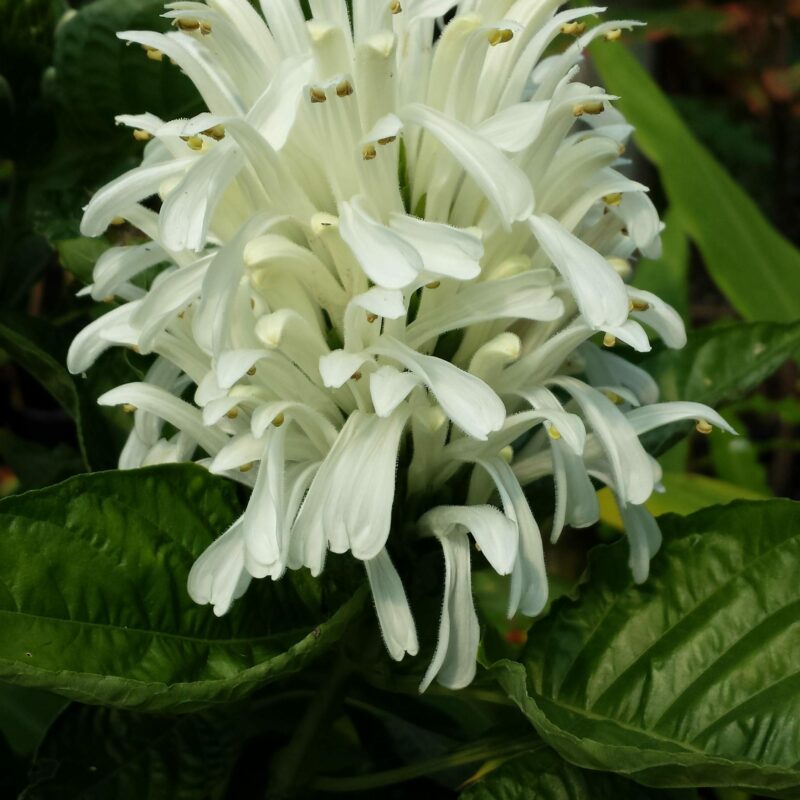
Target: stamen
614,397
609,340
433,285
395,7
233,413
344,89
117,221
251,371
573,28
387,140
317,95
357,375
246,467
704,427
368,152
639,305
142,136
217,132
614,199
613,36
507,454
500,36
187,24
553,432
205,28
594,108
371,318
194,142
279,420
129,408
153,54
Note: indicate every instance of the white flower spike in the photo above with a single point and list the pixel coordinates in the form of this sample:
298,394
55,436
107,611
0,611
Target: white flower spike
387,244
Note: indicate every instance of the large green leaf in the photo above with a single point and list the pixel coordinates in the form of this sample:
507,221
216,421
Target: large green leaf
25,716
756,267
722,364
543,775
689,680
93,601
99,753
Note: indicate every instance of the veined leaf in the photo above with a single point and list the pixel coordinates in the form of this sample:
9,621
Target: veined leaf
544,775
756,267
686,493
689,680
722,364
93,599
99,753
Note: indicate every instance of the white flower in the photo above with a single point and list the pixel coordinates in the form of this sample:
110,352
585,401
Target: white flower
391,238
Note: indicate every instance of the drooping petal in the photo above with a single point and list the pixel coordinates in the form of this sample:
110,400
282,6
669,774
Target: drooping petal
218,577
391,605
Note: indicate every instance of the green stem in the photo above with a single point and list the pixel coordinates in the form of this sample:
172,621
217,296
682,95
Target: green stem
291,771
483,751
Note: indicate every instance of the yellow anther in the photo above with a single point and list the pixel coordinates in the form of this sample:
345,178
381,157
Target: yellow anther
371,318
387,140
233,413
639,305
246,467
433,285
368,152
118,221
205,28
129,408
251,371
593,108
344,89
507,454
573,28
357,375
395,7
142,136
609,340
614,397
614,199
135,348
195,142
217,132
622,149
110,299
500,36
182,315
614,35
187,24
279,420
153,54
704,427
317,95
553,432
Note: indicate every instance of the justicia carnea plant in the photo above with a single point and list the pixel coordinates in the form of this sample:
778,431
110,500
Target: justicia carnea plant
400,227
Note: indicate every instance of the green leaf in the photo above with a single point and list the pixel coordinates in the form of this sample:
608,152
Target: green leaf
93,600
689,680
756,267
37,465
79,255
722,364
669,276
735,459
544,775
685,494
28,344
100,753
99,76
25,716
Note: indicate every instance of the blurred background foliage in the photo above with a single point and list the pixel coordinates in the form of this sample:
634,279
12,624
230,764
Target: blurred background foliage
715,93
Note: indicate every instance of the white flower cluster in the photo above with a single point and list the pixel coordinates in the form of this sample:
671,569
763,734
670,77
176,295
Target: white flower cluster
385,230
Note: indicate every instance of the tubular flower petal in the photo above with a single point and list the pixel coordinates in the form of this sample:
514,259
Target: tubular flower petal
384,263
